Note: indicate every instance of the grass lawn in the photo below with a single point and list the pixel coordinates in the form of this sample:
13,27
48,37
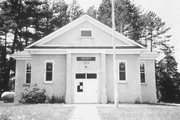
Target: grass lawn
140,112
35,112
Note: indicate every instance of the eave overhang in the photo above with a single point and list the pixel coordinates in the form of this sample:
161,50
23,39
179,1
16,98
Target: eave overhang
85,49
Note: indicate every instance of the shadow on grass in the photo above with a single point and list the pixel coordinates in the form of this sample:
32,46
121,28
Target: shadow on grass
147,103
161,104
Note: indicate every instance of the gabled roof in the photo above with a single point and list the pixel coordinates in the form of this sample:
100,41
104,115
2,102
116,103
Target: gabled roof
77,22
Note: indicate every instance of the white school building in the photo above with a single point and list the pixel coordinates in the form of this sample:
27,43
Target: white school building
76,62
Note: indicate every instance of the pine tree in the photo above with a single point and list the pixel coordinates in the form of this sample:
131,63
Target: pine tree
27,21
60,14
154,30
75,10
127,17
6,24
104,13
92,12
168,78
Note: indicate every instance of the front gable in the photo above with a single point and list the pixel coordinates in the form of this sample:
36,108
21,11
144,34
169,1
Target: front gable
73,37
69,35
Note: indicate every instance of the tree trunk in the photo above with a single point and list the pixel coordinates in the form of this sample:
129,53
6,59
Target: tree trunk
5,66
14,41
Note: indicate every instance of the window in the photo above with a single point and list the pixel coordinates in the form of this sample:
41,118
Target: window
28,72
122,71
80,76
91,75
49,71
80,87
142,72
86,76
86,33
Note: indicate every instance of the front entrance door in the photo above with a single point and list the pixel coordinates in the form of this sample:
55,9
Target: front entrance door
86,88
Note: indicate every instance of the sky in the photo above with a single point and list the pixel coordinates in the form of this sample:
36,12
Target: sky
168,10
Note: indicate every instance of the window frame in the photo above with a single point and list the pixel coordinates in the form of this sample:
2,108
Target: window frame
26,72
86,29
142,72
122,81
49,61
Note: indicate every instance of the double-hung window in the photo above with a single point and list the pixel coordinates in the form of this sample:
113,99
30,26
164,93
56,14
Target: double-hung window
28,72
49,71
142,72
122,71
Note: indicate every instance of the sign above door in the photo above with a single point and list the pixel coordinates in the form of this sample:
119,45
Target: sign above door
86,58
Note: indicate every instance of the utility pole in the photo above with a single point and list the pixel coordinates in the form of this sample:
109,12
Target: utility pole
114,57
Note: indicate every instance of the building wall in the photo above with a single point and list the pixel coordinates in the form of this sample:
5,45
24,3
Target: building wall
109,79
149,87
130,91
57,88
20,78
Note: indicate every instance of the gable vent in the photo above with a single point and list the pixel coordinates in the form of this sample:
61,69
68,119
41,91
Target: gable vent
86,33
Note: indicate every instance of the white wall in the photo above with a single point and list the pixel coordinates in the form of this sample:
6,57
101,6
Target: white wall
149,87
20,79
72,37
57,88
129,92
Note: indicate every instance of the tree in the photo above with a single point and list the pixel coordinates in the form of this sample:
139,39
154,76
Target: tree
38,16
60,14
127,17
5,28
1,68
30,22
104,13
46,16
75,10
92,12
27,21
154,30
13,9
131,21
168,78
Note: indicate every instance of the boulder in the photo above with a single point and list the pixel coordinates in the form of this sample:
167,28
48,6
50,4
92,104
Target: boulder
8,96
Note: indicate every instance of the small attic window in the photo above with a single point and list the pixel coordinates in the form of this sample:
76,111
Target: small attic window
86,33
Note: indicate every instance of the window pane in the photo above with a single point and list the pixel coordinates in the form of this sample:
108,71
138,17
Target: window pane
28,66
142,77
48,76
49,66
28,72
141,67
122,66
80,76
28,77
122,76
86,33
80,87
91,76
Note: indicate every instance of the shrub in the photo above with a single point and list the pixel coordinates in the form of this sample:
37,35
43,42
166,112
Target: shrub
138,101
7,96
33,96
55,99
